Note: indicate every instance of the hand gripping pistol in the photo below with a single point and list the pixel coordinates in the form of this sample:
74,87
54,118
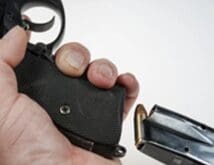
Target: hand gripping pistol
89,117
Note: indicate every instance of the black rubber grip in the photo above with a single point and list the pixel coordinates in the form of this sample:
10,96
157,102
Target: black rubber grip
89,117
74,104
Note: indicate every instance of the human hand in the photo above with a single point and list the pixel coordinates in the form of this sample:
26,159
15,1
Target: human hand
27,134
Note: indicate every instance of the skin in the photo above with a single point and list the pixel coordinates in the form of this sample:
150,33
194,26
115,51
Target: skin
27,134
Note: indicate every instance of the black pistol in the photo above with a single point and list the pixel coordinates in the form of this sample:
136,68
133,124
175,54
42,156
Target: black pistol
173,138
89,117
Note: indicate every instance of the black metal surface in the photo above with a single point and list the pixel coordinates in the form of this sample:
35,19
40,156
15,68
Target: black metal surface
176,140
13,11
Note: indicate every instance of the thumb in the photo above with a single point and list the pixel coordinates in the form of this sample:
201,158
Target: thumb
12,50
13,46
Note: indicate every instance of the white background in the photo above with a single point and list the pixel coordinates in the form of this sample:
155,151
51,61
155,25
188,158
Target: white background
167,44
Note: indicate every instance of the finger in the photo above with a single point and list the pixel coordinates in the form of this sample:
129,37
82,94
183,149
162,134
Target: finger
102,73
72,59
132,90
25,17
13,46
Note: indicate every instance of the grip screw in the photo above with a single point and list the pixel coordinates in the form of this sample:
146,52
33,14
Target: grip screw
65,110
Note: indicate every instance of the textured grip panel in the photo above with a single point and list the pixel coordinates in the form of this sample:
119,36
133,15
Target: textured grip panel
96,114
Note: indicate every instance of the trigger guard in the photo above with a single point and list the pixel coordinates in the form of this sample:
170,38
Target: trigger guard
38,27
13,13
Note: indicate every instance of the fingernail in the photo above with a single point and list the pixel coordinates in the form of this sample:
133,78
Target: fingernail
106,71
12,33
75,59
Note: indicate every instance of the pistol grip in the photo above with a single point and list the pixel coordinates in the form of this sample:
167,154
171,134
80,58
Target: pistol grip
87,116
